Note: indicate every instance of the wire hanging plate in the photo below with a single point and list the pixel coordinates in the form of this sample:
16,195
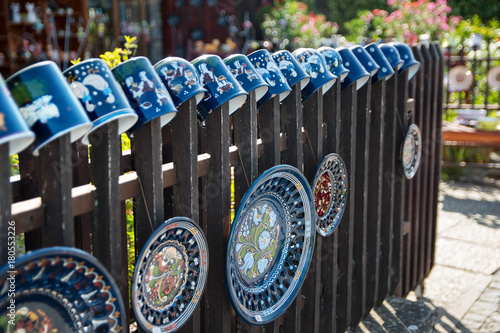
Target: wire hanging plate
170,275
494,77
59,289
329,193
411,151
271,244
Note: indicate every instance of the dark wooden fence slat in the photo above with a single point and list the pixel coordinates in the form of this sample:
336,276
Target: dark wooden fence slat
108,232
401,128
81,176
360,202
313,154
269,133
5,202
329,249
388,166
374,200
347,144
218,311
29,171
291,126
55,191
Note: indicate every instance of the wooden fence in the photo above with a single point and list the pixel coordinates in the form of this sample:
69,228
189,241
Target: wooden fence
384,244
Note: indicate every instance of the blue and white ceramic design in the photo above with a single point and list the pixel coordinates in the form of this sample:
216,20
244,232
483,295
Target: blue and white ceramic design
314,64
181,80
357,73
145,92
291,69
101,96
269,71
60,289
13,129
392,55
406,54
270,245
47,104
334,62
385,72
247,76
365,59
220,84
411,151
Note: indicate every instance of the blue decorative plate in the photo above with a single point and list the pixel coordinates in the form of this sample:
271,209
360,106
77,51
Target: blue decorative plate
59,289
411,151
170,276
330,194
271,244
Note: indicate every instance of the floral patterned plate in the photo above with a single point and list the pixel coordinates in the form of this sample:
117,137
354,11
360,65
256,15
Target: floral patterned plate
270,245
330,194
170,276
411,151
59,289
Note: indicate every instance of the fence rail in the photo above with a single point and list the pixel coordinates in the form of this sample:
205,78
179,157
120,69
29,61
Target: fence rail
384,244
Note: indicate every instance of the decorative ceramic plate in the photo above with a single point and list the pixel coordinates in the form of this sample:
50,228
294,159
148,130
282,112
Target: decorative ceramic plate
494,77
412,149
170,276
59,289
460,78
271,244
329,193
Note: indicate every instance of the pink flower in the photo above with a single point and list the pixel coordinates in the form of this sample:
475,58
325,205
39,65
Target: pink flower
390,2
431,6
444,26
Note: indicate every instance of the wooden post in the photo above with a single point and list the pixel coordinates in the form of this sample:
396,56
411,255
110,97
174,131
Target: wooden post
375,179
269,132
329,249
313,155
5,202
360,203
81,176
55,190
347,143
218,310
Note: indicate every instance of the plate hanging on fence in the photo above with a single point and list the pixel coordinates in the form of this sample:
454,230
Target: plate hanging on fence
411,151
270,245
494,77
60,289
459,79
170,276
329,193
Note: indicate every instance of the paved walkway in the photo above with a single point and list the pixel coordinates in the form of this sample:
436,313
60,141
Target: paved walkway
465,280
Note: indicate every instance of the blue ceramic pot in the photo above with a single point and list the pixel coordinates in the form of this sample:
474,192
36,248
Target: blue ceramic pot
291,69
181,80
145,92
334,62
101,96
365,59
392,55
385,71
13,128
406,54
268,69
220,84
313,63
47,103
247,76
357,73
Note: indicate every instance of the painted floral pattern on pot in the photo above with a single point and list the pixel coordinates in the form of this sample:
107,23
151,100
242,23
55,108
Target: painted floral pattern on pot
323,194
42,109
166,273
246,74
257,241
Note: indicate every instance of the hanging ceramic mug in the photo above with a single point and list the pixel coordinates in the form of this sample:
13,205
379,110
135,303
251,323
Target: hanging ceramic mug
13,129
314,64
385,72
181,80
334,62
365,59
357,73
145,92
220,84
247,76
291,69
392,55
101,96
406,54
268,69
47,103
